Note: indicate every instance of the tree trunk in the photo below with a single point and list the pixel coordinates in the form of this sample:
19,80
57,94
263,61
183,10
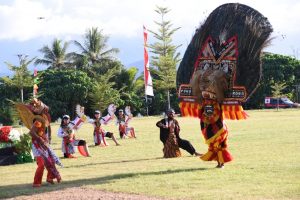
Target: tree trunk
22,99
168,94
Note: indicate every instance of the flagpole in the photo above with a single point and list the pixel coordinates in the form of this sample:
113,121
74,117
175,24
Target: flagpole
145,64
146,104
35,82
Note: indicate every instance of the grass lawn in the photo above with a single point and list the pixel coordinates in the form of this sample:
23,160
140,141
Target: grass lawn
266,151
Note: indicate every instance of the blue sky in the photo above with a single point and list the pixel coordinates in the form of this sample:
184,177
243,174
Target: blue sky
21,32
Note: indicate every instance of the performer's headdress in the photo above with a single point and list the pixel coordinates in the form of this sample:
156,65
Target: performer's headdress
66,117
170,111
121,110
97,112
223,60
27,115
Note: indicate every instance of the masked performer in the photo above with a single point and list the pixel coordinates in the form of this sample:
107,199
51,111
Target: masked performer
69,141
39,108
169,136
222,65
123,121
99,132
44,155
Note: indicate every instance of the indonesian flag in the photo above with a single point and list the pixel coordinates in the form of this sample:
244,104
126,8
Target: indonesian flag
147,76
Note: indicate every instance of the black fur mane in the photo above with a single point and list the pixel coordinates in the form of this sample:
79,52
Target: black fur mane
253,31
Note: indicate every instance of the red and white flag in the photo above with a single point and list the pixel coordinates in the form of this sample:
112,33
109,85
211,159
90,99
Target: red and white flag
147,76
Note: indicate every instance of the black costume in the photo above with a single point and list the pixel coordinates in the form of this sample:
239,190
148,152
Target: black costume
164,134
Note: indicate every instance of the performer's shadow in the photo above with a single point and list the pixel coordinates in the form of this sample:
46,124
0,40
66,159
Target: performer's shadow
114,162
9,190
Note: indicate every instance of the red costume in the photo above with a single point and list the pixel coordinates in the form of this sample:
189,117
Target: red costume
220,70
45,157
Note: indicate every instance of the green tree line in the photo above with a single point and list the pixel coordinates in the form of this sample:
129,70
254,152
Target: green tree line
277,69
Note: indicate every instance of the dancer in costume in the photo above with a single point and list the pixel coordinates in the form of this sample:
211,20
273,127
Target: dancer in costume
99,132
169,136
123,121
221,69
69,141
39,108
107,119
44,155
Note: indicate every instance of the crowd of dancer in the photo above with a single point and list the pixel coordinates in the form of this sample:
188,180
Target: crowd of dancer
36,118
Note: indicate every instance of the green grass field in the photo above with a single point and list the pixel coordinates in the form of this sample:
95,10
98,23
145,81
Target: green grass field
266,151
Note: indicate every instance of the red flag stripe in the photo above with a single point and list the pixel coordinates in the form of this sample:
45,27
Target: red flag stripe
146,58
147,76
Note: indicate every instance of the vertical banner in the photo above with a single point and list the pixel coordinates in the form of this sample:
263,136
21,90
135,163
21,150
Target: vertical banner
35,82
147,76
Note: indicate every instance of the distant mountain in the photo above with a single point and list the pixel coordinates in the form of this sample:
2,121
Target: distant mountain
138,64
4,71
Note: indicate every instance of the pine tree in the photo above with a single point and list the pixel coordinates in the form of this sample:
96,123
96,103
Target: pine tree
165,58
277,89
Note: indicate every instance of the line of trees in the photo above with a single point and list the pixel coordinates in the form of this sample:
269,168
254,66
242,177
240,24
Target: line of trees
277,70
94,77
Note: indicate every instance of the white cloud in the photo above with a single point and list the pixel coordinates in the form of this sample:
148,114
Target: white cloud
124,19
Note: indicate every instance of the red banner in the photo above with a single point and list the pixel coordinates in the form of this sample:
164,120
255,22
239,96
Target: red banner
147,76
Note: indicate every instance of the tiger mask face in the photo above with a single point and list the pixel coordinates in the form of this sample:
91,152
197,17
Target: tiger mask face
209,84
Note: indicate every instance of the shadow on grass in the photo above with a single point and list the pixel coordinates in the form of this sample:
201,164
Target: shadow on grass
114,162
11,191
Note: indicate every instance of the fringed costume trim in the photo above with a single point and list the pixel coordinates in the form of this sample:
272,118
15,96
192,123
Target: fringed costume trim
230,112
189,109
234,112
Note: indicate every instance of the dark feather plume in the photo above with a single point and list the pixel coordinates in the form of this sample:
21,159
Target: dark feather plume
252,30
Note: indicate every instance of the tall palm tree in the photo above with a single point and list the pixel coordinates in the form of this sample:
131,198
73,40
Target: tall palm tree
22,77
56,57
95,49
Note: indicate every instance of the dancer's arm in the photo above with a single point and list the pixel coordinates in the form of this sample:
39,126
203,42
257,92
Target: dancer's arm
160,124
